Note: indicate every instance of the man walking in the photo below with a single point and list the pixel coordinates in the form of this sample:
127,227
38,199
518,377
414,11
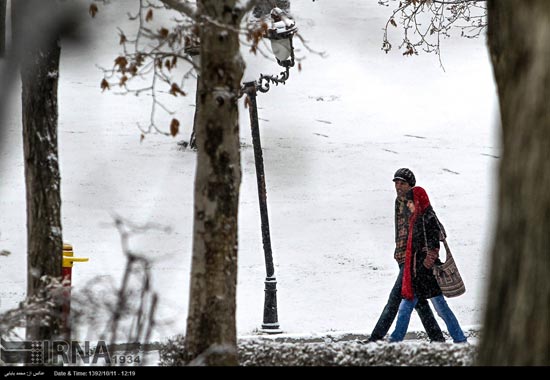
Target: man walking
404,180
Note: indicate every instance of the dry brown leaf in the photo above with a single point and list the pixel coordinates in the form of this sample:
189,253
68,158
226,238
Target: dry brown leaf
149,15
121,62
133,69
105,85
174,127
175,90
163,32
93,10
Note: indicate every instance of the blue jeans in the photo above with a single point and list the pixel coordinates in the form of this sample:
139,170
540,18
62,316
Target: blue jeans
443,310
390,311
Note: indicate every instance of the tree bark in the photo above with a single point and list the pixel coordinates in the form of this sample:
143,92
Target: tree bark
516,328
39,76
211,325
3,7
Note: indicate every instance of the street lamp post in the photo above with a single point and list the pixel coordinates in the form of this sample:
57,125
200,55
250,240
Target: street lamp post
283,28
280,34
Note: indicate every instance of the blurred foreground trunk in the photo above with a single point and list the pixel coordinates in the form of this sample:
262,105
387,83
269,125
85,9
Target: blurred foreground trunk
39,78
516,329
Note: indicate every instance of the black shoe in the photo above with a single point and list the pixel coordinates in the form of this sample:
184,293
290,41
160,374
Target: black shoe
367,341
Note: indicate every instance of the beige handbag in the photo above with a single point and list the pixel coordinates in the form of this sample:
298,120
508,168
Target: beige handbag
448,277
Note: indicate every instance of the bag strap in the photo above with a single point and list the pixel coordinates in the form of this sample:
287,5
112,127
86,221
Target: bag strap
447,250
442,232
448,253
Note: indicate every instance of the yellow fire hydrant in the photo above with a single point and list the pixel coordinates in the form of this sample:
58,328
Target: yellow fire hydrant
66,272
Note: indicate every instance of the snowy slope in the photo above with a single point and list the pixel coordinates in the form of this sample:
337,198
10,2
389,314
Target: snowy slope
332,137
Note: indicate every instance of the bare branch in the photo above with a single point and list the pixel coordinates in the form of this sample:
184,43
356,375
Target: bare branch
458,1
153,50
249,5
425,23
184,7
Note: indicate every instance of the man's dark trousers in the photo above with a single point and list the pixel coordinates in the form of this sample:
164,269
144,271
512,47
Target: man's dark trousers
392,307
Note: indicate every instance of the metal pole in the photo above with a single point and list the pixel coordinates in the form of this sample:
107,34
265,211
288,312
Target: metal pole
270,323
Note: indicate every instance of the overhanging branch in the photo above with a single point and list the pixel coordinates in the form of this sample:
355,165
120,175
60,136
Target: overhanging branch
184,7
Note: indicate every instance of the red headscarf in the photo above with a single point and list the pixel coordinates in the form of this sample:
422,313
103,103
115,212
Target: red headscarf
421,203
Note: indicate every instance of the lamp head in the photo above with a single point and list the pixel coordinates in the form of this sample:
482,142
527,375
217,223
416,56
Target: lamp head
281,32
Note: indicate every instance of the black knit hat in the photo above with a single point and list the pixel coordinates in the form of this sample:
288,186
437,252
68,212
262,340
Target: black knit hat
406,175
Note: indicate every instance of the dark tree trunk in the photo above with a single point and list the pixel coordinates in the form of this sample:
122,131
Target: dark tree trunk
39,76
211,325
265,6
3,4
516,327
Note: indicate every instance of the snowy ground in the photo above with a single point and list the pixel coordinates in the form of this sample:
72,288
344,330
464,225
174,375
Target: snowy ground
332,137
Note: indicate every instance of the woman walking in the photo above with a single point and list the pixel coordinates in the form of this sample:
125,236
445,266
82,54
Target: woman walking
418,278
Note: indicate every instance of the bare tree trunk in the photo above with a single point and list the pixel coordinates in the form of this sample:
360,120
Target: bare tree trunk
516,328
39,75
3,5
211,325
